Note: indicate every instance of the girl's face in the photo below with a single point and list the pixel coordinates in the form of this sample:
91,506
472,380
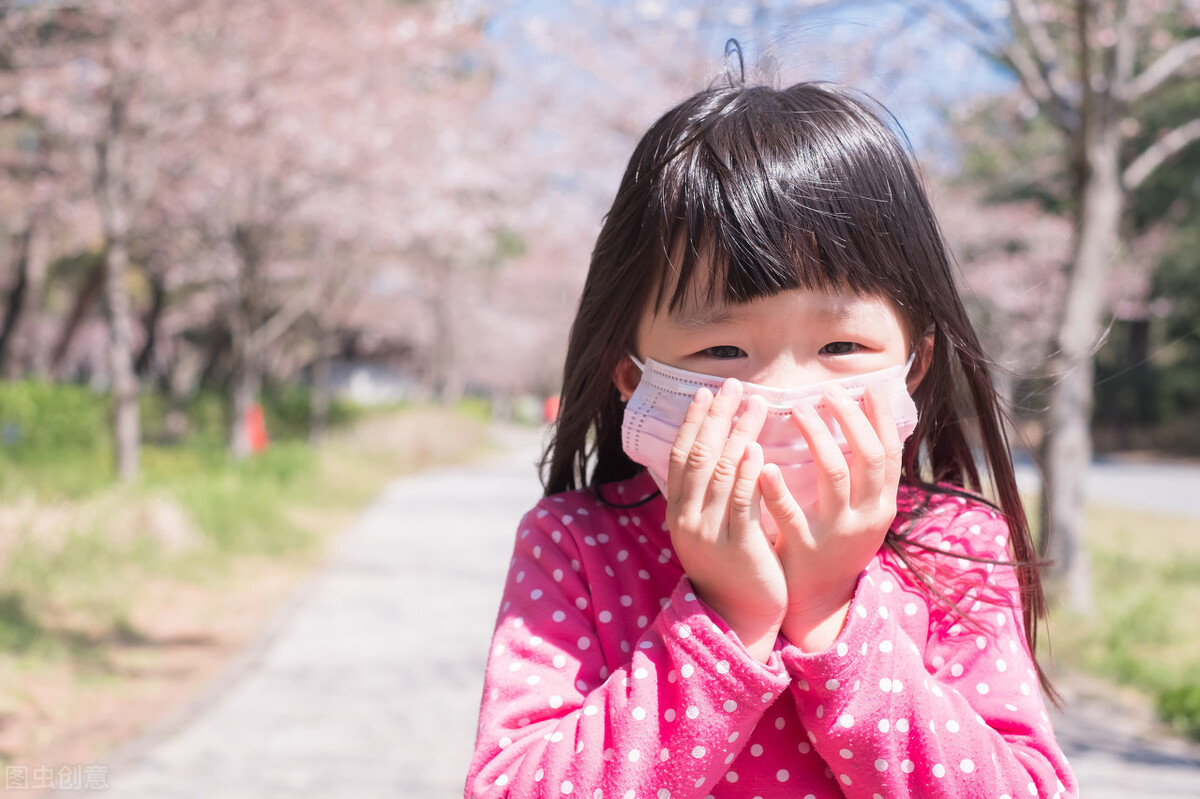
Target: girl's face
790,339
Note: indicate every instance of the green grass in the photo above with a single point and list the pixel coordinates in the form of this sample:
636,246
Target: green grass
76,549
1144,632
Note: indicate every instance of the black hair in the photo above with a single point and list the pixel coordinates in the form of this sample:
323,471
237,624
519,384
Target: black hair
741,192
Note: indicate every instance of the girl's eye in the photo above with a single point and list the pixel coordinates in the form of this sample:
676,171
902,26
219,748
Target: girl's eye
723,352
839,348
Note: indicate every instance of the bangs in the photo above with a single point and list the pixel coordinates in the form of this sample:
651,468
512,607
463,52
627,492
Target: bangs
777,190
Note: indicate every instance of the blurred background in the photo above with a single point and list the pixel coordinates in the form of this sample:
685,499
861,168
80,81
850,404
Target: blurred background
258,257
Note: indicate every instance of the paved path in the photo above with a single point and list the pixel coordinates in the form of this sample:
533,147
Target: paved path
368,685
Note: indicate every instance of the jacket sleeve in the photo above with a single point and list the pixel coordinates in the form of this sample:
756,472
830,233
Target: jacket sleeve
559,718
958,713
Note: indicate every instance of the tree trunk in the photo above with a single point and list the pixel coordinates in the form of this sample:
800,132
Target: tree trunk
126,427
21,352
322,389
1067,449
446,374
88,295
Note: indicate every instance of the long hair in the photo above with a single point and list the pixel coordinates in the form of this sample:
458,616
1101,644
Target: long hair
742,192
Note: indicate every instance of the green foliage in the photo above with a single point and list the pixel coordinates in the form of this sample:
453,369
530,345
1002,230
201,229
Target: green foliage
40,420
1180,706
288,411
1145,572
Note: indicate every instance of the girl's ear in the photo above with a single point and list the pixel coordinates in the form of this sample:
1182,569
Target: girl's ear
922,361
626,377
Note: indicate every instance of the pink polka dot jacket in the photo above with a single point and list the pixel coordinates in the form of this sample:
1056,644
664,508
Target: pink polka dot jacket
607,677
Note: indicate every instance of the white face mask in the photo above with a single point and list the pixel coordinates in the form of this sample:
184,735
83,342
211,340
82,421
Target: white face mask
656,410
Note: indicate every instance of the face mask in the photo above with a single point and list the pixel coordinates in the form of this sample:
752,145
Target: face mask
656,410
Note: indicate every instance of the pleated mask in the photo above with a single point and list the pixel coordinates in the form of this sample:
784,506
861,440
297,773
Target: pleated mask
657,408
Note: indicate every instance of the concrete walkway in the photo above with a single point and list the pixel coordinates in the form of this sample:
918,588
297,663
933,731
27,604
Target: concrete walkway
368,684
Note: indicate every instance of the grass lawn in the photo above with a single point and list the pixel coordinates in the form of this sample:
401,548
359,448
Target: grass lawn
1145,632
118,603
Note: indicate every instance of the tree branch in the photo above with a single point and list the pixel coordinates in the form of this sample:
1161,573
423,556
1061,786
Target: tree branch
1157,154
1165,70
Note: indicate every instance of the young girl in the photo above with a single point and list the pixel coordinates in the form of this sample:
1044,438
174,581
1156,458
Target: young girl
747,578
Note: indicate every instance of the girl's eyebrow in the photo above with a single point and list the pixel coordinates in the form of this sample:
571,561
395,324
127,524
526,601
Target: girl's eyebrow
706,315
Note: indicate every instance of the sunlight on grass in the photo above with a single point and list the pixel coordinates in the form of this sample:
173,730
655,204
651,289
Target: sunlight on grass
1145,631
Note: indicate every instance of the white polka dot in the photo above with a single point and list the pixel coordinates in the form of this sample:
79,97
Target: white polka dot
885,646
861,611
556,737
805,747
832,685
640,674
626,600
663,793
883,612
639,713
642,621
731,776
502,780
645,575
846,754
692,712
687,670
698,752
939,770
842,649
881,765
820,711
722,667
907,767
683,631
535,593
884,725
689,597
956,669
981,642
897,686
782,775
567,787
1001,665
634,755
780,723
729,705
846,779
669,715
952,725
886,586
729,758
756,750
910,609
584,643
768,696
533,679
1025,689
846,720
885,685
1032,789
967,766
558,575
901,725
982,688
555,701
591,710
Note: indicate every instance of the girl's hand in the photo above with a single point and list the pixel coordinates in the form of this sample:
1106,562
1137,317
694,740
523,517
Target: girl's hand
713,512
824,547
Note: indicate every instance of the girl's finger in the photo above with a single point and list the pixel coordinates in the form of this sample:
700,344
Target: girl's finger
745,496
879,410
682,445
709,442
868,458
745,430
779,501
833,473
